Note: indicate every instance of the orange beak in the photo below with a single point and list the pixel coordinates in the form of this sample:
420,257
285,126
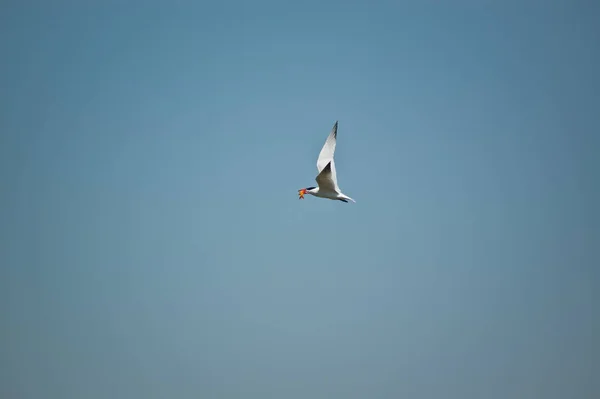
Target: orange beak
301,193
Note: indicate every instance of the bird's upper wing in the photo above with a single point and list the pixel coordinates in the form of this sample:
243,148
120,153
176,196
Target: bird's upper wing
326,156
326,179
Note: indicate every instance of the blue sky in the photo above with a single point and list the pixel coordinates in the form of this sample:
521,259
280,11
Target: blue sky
152,244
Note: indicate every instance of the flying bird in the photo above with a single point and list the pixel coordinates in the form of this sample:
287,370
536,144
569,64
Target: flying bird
327,178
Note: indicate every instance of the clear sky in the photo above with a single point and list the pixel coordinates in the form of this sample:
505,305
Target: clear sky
152,244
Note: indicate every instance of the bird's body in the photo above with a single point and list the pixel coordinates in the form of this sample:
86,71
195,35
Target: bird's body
327,177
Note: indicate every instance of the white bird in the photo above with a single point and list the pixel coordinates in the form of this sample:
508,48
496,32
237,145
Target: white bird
327,178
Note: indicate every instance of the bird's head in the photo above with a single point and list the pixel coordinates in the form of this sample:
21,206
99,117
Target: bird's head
303,191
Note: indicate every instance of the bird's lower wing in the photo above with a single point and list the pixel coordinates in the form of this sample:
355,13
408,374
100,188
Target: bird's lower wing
326,179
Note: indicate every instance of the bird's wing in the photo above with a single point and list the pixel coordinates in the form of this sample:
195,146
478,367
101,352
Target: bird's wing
326,155
326,179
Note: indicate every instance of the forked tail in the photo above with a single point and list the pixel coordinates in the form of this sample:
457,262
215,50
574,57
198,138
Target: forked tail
345,198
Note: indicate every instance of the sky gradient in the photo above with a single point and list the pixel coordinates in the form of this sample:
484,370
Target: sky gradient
152,244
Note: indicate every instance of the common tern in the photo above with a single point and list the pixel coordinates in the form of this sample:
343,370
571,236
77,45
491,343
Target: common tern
327,178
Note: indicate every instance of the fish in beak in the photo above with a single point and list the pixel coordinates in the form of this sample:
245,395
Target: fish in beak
301,193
